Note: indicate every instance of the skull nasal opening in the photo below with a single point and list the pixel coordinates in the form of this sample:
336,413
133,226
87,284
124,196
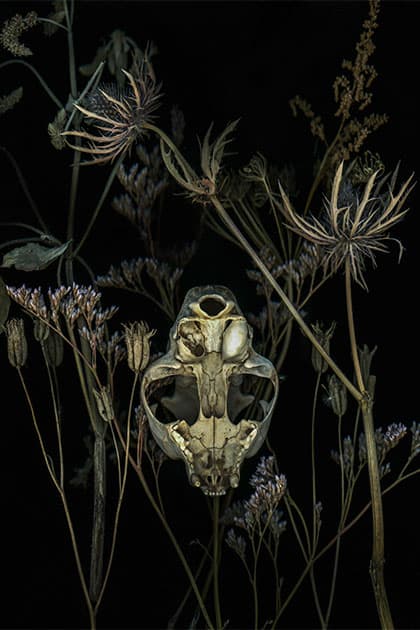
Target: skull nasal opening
212,306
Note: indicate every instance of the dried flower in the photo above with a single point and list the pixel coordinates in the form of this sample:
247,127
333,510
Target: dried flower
356,89
56,128
137,339
269,488
130,276
119,116
355,230
13,29
199,188
300,104
347,457
10,100
236,542
17,346
384,441
415,439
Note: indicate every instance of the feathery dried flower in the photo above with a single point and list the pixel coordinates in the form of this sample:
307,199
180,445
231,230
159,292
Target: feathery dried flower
119,116
356,230
269,488
12,30
277,524
236,542
356,90
9,101
300,104
137,339
17,346
129,276
347,458
56,128
384,441
415,439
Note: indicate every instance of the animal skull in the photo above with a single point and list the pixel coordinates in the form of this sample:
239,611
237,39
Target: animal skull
195,396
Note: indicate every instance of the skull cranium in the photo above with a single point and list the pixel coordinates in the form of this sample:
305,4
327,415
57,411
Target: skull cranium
196,395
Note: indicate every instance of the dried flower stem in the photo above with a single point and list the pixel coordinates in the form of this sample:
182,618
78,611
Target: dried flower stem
377,560
61,492
169,532
291,308
120,496
315,527
41,80
216,558
320,173
52,379
100,203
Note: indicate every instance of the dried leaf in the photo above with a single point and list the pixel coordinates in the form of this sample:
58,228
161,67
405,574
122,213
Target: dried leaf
33,256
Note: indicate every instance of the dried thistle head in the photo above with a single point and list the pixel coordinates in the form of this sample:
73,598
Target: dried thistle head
199,187
12,30
118,116
352,229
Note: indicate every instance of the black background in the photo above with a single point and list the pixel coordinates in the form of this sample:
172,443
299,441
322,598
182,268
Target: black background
218,61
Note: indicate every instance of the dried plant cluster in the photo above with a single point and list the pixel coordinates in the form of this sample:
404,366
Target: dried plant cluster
297,238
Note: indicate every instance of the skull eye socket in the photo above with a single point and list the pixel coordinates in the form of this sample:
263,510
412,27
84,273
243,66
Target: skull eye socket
249,397
192,343
235,340
174,398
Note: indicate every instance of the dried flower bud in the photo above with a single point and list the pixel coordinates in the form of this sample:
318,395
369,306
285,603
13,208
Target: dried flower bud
137,339
17,347
54,349
41,330
323,337
103,400
337,395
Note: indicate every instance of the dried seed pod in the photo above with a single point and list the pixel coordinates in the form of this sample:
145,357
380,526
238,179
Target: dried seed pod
324,337
137,339
17,346
54,349
337,395
103,400
41,330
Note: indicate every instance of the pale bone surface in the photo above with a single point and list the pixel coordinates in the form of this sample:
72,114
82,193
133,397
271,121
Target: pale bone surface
209,359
